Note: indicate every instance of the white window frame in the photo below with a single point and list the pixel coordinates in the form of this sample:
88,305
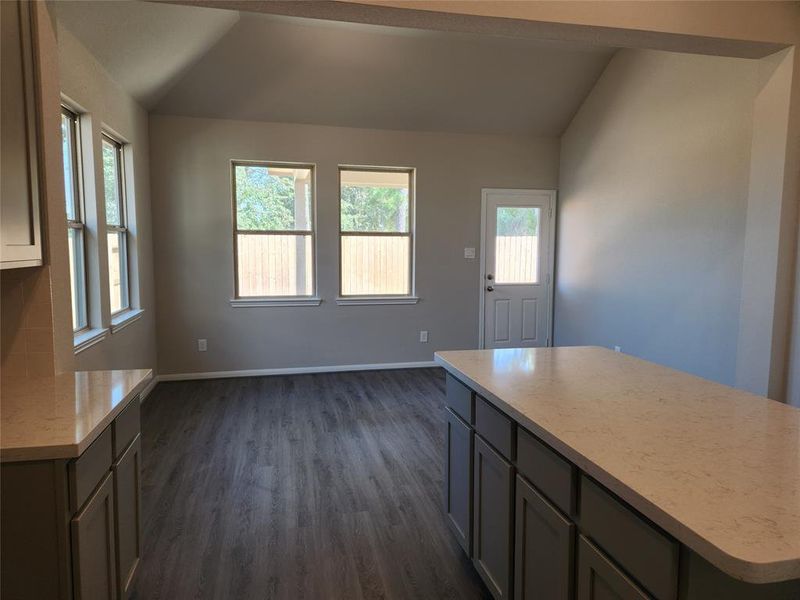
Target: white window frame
366,299
78,222
122,229
311,299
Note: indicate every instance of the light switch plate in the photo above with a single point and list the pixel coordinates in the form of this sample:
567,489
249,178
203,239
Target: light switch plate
202,345
469,252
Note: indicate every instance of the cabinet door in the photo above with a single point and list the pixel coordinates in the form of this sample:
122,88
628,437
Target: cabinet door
493,515
93,568
458,479
543,549
20,232
127,512
600,579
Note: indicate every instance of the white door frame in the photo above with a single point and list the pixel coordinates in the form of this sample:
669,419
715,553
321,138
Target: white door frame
551,257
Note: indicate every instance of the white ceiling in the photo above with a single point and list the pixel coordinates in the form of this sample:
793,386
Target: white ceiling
216,63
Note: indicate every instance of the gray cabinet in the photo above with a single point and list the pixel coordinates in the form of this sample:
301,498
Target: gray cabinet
559,534
20,227
127,515
93,564
600,579
70,528
458,479
493,484
544,546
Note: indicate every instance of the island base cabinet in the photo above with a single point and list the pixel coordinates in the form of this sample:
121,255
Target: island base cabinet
600,579
93,560
544,548
492,531
127,513
458,480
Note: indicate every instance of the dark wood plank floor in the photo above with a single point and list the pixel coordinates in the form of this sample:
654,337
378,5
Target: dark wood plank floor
311,486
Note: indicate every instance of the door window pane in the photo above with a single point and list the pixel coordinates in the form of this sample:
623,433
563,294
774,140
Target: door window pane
517,244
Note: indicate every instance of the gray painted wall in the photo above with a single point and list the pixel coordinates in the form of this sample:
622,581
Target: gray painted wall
190,176
105,104
652,210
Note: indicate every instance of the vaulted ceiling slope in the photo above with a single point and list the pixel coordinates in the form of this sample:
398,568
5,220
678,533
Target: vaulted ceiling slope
200,62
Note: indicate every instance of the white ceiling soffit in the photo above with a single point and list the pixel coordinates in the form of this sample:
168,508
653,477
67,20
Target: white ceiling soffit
286,69
144,46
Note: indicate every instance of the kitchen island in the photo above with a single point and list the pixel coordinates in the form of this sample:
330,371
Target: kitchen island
69,480
584,471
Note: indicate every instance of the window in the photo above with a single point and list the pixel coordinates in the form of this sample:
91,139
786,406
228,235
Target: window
116,225
375,220
273,212
73,188
516,252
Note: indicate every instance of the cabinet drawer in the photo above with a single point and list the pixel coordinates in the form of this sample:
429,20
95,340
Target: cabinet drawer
647,554
126,427
495,427
86,471
600,579
551,473
460,399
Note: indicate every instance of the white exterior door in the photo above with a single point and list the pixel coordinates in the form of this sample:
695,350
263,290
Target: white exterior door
517,263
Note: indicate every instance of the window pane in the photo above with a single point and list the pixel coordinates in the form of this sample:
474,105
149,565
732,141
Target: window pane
111,183
273,198
77,278
275,265
373,265
68,151
375,201
117,271
517,245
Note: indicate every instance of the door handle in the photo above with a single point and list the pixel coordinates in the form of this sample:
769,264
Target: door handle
490,277
489,288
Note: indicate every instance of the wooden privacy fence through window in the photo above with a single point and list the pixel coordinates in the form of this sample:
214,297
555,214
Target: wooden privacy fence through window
516,259
281,265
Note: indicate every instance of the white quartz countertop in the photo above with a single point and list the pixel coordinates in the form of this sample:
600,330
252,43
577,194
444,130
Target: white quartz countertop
717,468
58,417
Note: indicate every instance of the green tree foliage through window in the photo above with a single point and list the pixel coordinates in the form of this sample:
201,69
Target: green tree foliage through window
111,183
264,201
517,221
372,208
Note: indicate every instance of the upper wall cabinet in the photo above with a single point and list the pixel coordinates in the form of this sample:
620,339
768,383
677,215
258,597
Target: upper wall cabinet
20,228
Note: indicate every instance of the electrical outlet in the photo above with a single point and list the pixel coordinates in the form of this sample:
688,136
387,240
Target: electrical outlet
423,337
617,349
469,253
202,345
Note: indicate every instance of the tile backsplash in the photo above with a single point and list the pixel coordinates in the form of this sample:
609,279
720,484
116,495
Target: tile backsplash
26,323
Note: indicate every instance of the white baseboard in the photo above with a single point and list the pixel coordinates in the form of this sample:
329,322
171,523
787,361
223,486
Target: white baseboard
295,371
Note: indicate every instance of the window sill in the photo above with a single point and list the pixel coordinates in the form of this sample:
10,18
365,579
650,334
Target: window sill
122,320
257,302
375,300
88,338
